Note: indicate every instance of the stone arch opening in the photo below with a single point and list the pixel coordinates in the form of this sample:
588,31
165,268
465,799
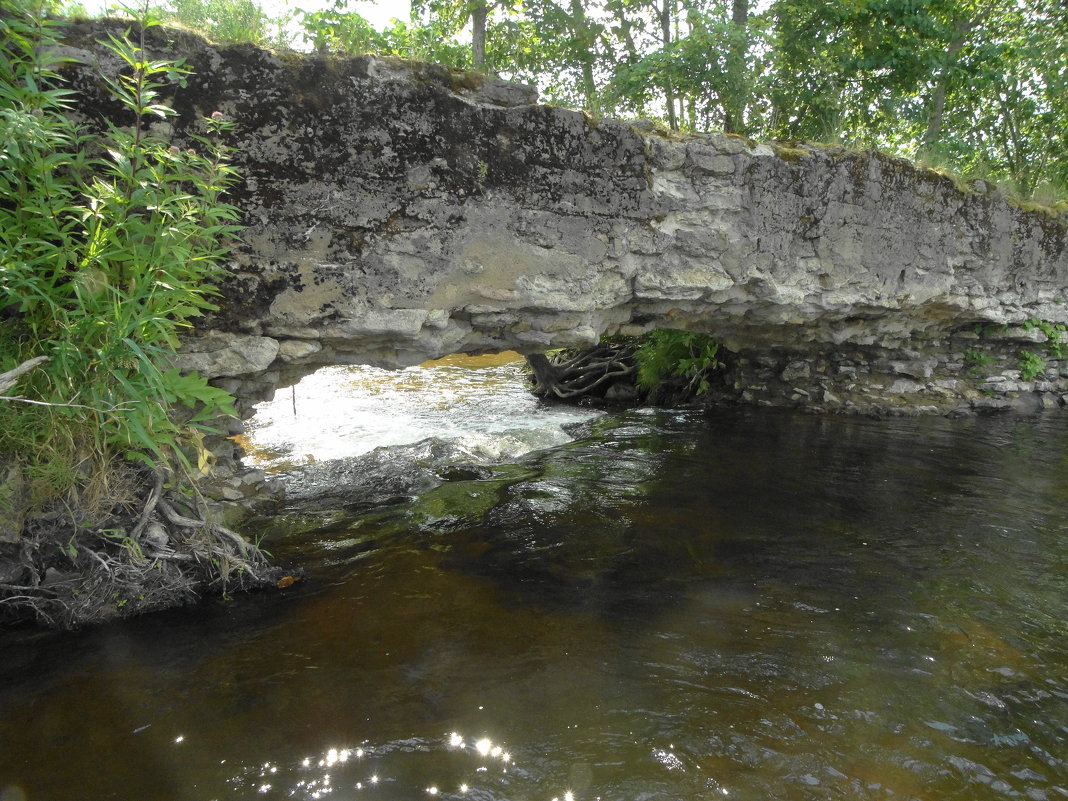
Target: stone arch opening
479,405
365,433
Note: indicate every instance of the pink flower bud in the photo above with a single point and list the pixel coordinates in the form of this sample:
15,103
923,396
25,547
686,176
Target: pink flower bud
174,149
216,115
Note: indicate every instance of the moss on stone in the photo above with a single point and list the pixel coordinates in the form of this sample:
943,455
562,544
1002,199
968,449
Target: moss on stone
789,152
466,80
1057,211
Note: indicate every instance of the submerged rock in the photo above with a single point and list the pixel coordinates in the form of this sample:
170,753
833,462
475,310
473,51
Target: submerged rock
385,474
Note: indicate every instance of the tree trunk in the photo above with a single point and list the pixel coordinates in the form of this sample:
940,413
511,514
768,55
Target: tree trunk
938,99
544,374
665,34
479,13
585,54
735,100
591,372
626,28
740,13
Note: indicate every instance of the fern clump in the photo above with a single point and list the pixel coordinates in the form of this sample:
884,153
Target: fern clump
684,357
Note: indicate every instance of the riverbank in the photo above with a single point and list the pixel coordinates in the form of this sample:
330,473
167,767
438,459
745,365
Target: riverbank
114,239
139,548
979,369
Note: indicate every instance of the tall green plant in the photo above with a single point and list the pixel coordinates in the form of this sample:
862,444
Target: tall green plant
103,261
229,21
665,354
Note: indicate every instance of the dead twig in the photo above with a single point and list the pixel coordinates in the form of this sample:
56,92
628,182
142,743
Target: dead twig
20,399
582,390
150,506
246,549
8,379
113,578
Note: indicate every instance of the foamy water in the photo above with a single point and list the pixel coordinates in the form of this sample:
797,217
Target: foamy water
481,404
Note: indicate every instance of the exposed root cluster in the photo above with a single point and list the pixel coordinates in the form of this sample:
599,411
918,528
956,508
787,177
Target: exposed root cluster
588,373
161,553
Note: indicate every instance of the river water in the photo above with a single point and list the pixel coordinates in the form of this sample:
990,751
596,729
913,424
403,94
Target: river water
737,604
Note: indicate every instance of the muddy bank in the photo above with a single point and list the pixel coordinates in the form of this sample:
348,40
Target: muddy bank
147,547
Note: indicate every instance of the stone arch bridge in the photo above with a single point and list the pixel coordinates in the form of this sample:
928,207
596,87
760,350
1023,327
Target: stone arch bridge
398,211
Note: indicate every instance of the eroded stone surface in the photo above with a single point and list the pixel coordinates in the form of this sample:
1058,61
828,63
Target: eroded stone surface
398,212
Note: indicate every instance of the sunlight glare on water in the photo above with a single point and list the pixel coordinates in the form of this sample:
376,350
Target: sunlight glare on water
480,402
455,767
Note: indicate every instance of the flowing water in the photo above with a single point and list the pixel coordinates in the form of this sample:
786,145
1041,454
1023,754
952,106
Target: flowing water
739,604
479,404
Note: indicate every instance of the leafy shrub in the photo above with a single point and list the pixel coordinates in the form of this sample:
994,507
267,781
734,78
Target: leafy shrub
976,361
1031,365
337,30
104,259
664,354
1053,331
229,21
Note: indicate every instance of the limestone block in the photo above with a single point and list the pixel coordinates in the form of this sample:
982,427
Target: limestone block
219,353
291,350
664,153
915,369
904,386
396,210
709,160
680,278
725,143
378,322
795,370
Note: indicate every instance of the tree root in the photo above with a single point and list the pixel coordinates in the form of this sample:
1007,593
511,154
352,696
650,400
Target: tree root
152,556
589,373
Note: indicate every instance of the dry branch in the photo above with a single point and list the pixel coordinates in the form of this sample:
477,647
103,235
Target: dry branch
8,379
150,505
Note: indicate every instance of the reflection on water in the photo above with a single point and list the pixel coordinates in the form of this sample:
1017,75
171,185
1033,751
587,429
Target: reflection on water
479,402
366,769
748,605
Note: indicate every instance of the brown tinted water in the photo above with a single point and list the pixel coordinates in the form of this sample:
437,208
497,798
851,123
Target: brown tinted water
742,605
